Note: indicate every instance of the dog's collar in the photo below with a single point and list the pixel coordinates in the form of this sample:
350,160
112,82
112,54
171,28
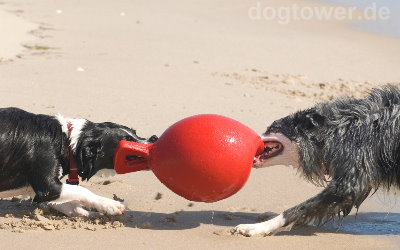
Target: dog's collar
73,177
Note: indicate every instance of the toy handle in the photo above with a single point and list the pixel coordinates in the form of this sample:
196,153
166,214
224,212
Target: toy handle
131,157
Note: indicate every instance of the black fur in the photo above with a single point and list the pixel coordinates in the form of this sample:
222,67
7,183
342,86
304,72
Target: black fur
33,149
96,146
356,140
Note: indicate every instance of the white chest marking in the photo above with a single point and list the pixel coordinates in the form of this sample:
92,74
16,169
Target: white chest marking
77,125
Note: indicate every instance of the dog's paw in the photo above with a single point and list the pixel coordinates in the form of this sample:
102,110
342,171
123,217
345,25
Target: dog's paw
73,209
108,206
264,228
250,230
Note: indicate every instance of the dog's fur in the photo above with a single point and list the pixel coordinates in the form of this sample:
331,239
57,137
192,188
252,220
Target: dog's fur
356,142
34,155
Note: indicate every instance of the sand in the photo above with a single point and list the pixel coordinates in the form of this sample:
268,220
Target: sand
13,30
148,64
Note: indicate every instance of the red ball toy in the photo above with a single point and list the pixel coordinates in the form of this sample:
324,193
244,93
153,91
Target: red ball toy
201,158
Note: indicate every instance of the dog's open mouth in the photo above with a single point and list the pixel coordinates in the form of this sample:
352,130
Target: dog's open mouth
271,149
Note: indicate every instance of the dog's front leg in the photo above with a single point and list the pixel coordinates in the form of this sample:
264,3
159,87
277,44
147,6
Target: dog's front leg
335,199
263,228
88,199
73,209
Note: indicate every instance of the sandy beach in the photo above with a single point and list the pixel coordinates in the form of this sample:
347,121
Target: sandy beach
149,64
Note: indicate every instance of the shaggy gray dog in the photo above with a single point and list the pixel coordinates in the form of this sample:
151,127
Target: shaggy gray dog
354,142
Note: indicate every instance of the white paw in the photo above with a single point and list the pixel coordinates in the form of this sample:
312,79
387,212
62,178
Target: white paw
80,211
108,206
249,230
73,209
265,228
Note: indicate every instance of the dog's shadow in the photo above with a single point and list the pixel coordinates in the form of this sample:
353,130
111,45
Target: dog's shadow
181,220
371,223
362,224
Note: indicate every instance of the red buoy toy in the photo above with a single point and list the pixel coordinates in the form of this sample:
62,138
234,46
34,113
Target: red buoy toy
201,158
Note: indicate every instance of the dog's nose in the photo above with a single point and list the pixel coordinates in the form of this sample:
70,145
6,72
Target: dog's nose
153,139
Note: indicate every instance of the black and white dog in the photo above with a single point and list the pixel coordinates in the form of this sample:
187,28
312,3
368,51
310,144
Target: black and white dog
37,150
354,142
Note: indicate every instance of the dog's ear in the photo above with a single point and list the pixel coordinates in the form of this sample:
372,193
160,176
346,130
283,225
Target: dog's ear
88,155
312,120
316,119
